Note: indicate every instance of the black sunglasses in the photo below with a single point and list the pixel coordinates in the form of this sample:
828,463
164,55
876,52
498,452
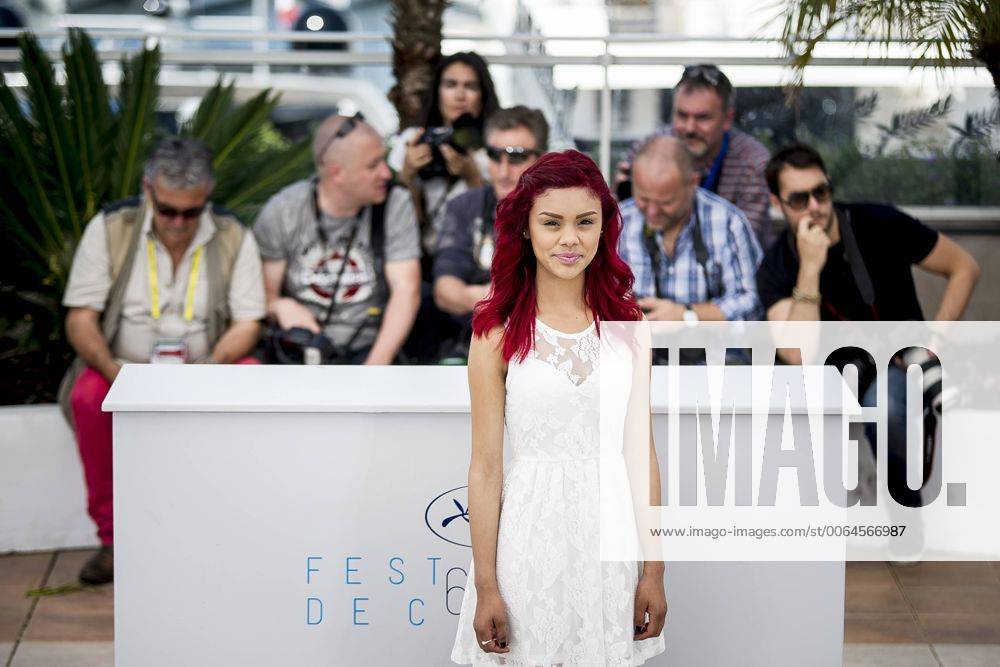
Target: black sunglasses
799,200
515,154
171,212
345,128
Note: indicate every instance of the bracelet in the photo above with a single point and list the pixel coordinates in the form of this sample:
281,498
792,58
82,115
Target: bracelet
797,296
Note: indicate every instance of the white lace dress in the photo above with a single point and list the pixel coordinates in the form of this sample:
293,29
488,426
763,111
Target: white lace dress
564,606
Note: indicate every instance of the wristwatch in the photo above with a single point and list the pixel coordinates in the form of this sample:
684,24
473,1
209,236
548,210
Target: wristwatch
690,317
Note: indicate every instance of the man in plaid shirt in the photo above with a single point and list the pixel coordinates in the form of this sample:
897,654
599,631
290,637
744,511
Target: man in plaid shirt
729,162
693,254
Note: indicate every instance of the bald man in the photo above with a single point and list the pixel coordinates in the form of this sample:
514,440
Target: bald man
694,255
341,249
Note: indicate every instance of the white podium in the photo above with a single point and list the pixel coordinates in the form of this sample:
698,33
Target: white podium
313,516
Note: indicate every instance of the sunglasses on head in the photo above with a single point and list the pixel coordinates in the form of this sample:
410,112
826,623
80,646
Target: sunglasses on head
799,200
709,74
171,212
345,128
515,154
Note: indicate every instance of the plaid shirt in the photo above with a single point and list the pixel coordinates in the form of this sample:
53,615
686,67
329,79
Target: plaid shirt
733,257
741,180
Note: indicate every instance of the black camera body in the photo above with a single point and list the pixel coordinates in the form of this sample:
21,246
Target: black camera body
298,346
464,136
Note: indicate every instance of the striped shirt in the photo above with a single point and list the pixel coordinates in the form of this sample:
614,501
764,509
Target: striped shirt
741,181
733,257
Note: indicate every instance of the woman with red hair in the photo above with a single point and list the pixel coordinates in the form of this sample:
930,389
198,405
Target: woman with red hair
538,594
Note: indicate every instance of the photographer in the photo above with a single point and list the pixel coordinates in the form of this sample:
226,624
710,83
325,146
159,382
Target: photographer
341,253
853,262
515,138
441,158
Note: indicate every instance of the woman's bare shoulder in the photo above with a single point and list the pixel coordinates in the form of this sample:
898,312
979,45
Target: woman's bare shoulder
486,352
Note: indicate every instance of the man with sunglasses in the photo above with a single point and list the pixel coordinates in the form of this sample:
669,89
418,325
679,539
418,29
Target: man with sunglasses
853,262
515,138
341,249
166,277
729,163
810,273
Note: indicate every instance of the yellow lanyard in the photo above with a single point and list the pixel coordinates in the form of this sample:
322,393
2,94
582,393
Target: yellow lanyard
154,282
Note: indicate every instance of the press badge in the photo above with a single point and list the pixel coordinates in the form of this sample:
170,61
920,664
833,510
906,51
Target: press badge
169,351
486,253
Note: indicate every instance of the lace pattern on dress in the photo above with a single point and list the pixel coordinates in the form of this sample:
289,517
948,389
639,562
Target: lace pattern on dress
573,355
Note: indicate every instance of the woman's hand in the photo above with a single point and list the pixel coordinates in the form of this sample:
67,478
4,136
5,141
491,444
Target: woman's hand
418,156
461,165
490,622
649,599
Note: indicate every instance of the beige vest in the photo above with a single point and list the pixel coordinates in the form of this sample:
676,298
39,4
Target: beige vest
123,226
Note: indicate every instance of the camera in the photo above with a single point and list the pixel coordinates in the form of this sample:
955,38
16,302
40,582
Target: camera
298,346
464,136
936,395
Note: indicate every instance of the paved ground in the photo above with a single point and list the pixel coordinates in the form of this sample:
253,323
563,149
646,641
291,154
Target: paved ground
929,615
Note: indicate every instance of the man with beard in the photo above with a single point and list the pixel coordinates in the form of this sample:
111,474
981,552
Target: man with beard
811,272
853,262
693,253
341,249
729,163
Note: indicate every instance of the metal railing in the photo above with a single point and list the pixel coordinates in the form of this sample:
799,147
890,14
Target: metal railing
271,48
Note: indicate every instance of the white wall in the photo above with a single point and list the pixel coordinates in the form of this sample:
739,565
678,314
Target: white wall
42,495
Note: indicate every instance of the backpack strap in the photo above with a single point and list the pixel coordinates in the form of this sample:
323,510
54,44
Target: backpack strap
378,242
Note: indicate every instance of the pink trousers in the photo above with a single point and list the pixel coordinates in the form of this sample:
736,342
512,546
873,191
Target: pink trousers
93,437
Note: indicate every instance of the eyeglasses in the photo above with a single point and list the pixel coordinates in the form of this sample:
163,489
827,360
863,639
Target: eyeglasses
799,200
709,74
515,154
345,129
171,212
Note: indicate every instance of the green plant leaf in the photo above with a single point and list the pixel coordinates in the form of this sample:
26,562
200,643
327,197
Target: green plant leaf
135,120
90,117
46,103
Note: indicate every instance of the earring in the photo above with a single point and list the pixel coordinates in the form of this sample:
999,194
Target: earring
524,234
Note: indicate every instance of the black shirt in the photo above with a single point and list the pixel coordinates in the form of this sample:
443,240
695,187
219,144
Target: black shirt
890,242
465,243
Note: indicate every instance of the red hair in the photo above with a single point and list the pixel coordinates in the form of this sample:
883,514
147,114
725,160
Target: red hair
513,298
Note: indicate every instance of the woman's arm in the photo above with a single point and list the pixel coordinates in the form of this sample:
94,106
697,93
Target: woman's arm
644,480
487,374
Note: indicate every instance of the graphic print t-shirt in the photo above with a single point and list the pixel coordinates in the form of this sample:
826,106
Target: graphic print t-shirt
287,229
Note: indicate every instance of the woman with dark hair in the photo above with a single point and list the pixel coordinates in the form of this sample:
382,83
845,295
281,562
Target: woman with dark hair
538,594
461,97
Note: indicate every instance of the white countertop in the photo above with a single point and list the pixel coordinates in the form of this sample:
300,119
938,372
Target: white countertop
388,389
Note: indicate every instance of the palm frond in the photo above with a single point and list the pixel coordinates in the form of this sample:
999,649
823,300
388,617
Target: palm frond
238,125
263,175
907,123
214,104
17,155
46,103
136,120
942,30
89,117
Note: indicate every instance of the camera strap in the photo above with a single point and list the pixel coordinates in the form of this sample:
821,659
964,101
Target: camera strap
377,242
854,259
700,254
324,239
